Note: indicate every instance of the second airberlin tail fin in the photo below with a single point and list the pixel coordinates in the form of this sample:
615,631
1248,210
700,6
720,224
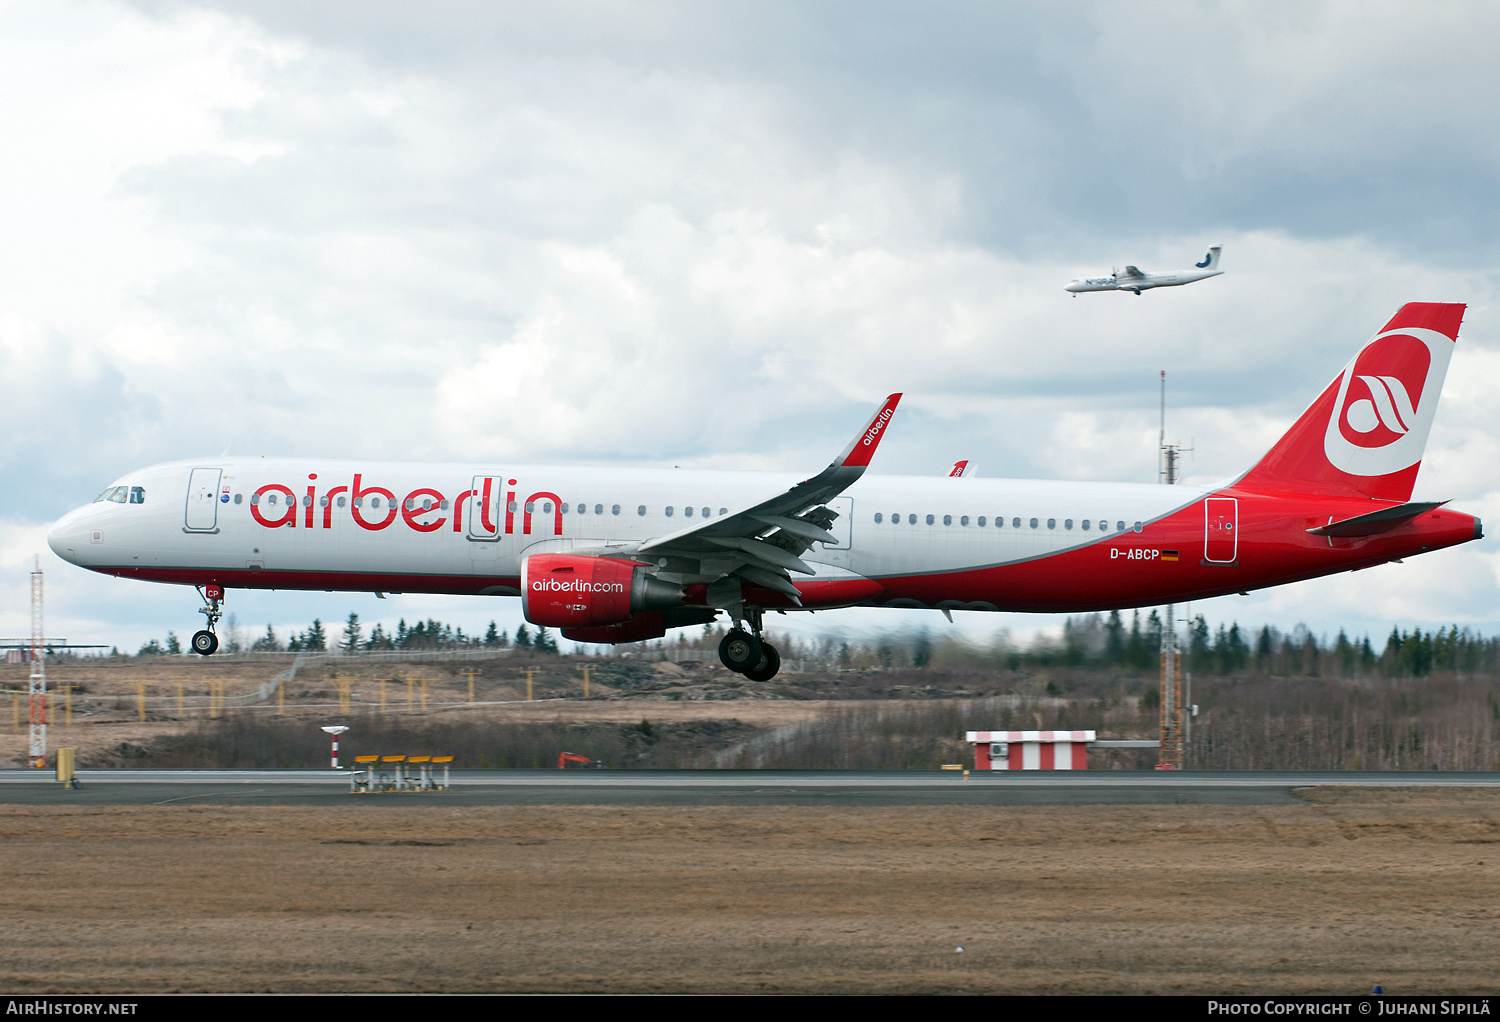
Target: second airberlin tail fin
1365,434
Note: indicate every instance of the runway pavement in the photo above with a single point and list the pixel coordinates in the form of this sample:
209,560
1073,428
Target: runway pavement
709,787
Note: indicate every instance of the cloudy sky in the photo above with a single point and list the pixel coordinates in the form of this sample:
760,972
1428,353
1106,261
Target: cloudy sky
715,235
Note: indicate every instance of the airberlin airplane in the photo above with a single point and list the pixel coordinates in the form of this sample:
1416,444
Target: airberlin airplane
620,555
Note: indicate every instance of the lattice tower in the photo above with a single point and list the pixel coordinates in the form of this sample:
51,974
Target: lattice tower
1170,753
37,689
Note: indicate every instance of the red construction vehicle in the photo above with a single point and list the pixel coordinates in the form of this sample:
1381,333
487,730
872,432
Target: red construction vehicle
564,758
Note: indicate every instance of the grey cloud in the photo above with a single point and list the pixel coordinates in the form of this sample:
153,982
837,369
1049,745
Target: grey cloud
1064,124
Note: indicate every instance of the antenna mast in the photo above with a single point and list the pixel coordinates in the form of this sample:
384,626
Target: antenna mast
37,689
1170,754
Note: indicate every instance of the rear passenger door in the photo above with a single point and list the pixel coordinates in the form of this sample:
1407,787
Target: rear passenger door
1220,530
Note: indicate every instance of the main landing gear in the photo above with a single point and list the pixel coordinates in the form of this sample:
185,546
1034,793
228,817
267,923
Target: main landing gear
205,642
748,654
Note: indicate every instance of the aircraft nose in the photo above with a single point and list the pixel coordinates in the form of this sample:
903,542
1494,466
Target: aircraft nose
68,535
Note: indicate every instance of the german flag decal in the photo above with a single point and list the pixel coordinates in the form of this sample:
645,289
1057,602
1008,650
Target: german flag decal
1169,555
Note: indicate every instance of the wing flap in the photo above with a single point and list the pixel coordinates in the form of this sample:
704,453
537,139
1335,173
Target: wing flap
802,529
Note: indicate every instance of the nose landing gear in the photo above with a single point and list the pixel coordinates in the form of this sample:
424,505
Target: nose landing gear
745,652
205,642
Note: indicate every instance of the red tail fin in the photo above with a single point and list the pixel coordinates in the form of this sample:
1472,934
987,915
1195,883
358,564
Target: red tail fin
1366,432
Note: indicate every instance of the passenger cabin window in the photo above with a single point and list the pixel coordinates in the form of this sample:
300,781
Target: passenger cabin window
615,510
687,512
1033,523
1085,523
879,517
598,509
911,519
669,512
723,510
1138,526
239,498
641,510
947,519
1052,523
964,520
981,521
1015,523
929,519
1068,524
1119,526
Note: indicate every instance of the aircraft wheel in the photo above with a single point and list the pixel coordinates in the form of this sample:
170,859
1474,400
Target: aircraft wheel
768,666
739,651
205,642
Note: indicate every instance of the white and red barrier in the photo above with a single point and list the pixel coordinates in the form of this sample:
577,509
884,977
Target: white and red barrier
1030,750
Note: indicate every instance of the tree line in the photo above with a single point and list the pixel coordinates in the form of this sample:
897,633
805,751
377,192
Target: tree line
422,636
1092,640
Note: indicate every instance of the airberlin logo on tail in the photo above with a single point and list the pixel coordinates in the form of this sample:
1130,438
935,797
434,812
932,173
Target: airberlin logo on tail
1386,400
1389,405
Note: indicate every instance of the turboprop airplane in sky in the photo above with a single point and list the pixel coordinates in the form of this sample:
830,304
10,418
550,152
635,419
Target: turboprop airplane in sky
615,555
1134,279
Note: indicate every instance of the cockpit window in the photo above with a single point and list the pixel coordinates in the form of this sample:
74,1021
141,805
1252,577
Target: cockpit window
123,495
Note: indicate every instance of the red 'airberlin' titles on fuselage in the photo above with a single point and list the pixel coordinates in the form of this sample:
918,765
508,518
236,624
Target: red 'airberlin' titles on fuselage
415,509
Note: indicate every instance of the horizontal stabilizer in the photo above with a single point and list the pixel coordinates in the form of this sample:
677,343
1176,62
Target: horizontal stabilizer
1377,522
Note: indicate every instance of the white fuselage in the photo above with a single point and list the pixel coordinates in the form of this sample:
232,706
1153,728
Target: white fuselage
1143,282
232,515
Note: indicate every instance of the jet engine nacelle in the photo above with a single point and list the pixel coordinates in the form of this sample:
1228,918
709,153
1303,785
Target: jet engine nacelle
569,591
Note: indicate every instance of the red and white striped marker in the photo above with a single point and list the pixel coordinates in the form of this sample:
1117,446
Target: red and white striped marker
335,730
1030,750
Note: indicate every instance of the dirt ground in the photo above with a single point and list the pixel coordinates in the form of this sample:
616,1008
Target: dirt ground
1355,888
93,736
107,707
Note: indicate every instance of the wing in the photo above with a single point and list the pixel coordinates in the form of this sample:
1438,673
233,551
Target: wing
762,543
1131,271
